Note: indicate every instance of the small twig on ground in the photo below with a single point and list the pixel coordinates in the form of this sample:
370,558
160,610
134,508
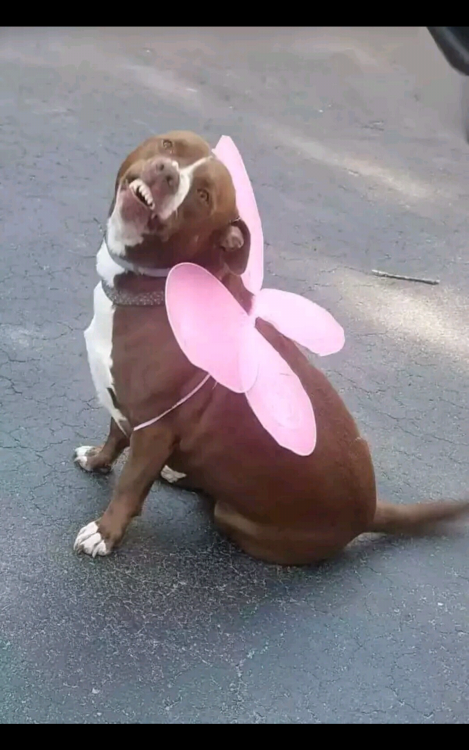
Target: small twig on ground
387,275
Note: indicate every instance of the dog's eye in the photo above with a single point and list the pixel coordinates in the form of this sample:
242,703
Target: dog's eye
203,195
167,145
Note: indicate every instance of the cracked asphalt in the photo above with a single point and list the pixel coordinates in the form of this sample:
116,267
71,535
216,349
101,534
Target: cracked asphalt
354,144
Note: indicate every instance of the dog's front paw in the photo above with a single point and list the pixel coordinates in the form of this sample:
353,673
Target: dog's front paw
90,541
82,456
87,458
171,476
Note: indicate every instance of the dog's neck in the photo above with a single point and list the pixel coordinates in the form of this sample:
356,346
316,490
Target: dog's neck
130,284
127,265
127,284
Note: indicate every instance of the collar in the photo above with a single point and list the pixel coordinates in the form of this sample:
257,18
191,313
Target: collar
124,297
133,299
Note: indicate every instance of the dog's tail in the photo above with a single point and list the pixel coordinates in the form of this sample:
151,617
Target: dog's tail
418,518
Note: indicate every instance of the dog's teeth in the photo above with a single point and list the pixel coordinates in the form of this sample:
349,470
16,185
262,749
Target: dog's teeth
143,192
147,195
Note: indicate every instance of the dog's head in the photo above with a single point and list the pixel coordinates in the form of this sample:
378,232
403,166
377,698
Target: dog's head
175,201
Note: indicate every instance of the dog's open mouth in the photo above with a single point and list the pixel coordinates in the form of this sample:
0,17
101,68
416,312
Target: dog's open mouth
143,193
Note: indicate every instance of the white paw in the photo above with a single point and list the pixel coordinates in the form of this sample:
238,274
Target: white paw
171,476
90,541
81,456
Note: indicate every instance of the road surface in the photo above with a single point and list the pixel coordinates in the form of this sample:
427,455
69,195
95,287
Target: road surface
353,141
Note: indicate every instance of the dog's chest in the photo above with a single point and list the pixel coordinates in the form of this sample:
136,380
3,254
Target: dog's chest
98,338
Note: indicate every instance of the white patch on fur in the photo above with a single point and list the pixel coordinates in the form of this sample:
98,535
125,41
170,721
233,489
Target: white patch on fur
106,267
121,234
90,541
171,476
98,339
186,176
81,456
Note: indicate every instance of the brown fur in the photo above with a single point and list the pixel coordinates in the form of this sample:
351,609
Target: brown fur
277,506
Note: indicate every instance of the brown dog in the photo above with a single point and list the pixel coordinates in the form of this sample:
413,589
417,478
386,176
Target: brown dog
174,201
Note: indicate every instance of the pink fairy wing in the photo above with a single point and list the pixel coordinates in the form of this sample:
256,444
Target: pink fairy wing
280,402
227,152
301,320
212,329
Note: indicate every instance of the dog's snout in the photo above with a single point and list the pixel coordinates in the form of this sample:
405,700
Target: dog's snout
165,172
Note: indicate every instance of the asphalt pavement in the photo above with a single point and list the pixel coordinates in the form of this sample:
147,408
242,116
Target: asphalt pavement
354,143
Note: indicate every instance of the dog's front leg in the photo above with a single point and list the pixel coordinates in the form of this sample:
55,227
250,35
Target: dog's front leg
149,450
101,458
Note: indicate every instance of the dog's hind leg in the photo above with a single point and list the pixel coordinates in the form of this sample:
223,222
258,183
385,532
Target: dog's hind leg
100,459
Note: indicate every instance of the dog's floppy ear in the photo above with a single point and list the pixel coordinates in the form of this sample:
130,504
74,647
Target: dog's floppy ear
235,242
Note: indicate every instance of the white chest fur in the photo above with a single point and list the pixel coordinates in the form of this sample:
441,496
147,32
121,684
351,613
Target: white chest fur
98,336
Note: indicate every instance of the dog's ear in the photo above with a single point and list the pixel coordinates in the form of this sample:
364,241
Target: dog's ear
235,242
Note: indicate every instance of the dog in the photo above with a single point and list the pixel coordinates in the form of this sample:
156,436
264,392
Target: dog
174,201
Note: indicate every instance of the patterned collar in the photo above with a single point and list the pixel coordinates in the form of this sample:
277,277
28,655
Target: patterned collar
126,298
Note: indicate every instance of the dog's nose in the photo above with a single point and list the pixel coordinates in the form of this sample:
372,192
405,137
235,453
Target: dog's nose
165,173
